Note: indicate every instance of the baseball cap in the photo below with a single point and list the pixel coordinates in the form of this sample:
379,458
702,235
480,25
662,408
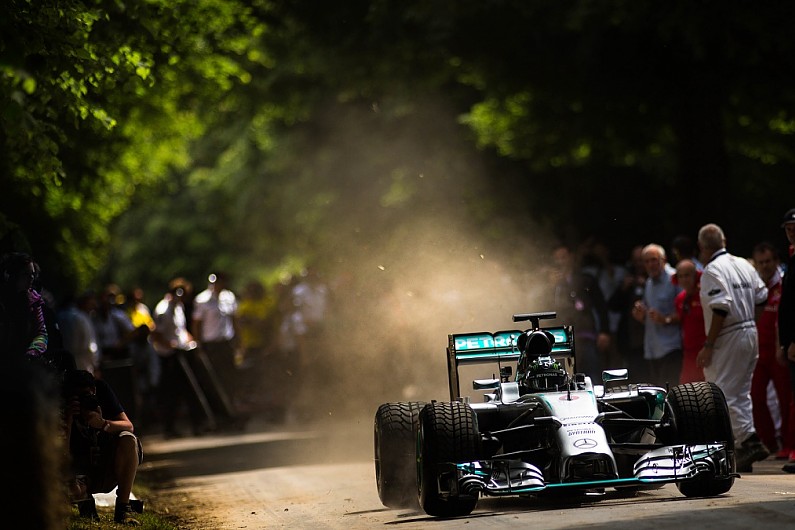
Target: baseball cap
789,217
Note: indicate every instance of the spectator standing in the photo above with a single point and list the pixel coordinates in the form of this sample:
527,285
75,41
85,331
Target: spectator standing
104,453
578,300
310,298
137,310
287,365
23,332
215,327
115,334
56,357
690,316
113,328
733,297
684,248
146,362
786,308
629,335
662,339
215,330
78,332
610,277
257,331
771,365
171,339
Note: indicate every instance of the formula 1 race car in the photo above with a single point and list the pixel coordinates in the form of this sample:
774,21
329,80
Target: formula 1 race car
547,429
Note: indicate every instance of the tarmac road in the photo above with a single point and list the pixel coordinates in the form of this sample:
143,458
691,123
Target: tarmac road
271,477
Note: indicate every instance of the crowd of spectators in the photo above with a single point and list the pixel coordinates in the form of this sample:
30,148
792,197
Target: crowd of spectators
195,362
667,328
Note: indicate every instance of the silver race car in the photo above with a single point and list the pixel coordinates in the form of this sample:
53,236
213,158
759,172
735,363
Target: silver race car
537,426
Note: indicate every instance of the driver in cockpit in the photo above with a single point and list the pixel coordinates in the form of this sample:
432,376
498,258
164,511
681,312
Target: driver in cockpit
537,371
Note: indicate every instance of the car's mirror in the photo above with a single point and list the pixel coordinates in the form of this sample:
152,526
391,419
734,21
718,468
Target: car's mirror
615,375
485,384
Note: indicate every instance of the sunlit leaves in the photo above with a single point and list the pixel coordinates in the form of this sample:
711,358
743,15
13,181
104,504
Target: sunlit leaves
216,118
98,98
783,123
496,122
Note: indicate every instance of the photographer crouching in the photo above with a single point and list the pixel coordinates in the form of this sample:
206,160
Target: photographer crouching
103,451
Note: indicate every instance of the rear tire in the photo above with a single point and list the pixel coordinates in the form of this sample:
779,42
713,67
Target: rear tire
448,434
395,448
701,416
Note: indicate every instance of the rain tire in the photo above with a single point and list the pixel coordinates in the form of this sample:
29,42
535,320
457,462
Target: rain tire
448,434
395,444
700,416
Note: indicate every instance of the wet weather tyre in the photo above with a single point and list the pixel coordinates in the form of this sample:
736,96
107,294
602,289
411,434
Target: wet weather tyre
395,439
700,415
448,435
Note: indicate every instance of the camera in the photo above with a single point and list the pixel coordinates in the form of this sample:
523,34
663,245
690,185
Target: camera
88,401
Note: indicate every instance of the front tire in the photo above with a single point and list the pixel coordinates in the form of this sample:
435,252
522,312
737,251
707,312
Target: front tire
448,434
701,416
395,444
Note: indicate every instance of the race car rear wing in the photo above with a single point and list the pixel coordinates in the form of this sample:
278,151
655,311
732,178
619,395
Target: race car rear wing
499,347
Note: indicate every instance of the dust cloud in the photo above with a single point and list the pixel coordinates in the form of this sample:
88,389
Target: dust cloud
417,245
390,328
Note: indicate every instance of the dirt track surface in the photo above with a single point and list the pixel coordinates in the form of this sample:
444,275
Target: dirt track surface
276,477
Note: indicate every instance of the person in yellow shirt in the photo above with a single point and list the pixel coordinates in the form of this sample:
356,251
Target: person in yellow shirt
256,332
137,310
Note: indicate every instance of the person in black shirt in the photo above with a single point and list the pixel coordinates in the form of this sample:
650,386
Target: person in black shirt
104,453
578,301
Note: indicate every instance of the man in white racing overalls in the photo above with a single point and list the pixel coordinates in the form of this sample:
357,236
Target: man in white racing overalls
733,296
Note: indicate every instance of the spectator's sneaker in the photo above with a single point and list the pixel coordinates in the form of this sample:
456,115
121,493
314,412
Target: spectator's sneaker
789,467
122,513
750,451
137,505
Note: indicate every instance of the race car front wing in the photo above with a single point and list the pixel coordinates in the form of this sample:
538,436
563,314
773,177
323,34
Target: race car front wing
499,477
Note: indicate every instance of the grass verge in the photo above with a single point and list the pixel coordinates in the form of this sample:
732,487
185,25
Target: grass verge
151,519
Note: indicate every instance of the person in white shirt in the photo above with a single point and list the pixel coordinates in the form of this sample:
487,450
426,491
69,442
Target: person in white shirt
78,332
733,297
214,326
170,339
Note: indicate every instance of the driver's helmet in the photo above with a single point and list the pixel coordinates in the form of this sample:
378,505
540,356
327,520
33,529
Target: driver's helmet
537,371
533,344
544,374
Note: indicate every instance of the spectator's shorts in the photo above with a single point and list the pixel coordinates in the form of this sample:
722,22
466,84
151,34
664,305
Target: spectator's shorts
102,478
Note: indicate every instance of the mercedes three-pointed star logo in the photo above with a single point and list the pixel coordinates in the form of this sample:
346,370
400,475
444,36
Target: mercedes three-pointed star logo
585,443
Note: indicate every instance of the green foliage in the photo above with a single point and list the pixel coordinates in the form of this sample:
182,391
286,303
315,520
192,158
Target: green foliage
97,99
143,140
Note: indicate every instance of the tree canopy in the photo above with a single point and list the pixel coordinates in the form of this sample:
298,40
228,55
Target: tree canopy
143,140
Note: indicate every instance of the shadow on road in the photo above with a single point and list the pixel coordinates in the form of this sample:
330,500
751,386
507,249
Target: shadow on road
217,454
